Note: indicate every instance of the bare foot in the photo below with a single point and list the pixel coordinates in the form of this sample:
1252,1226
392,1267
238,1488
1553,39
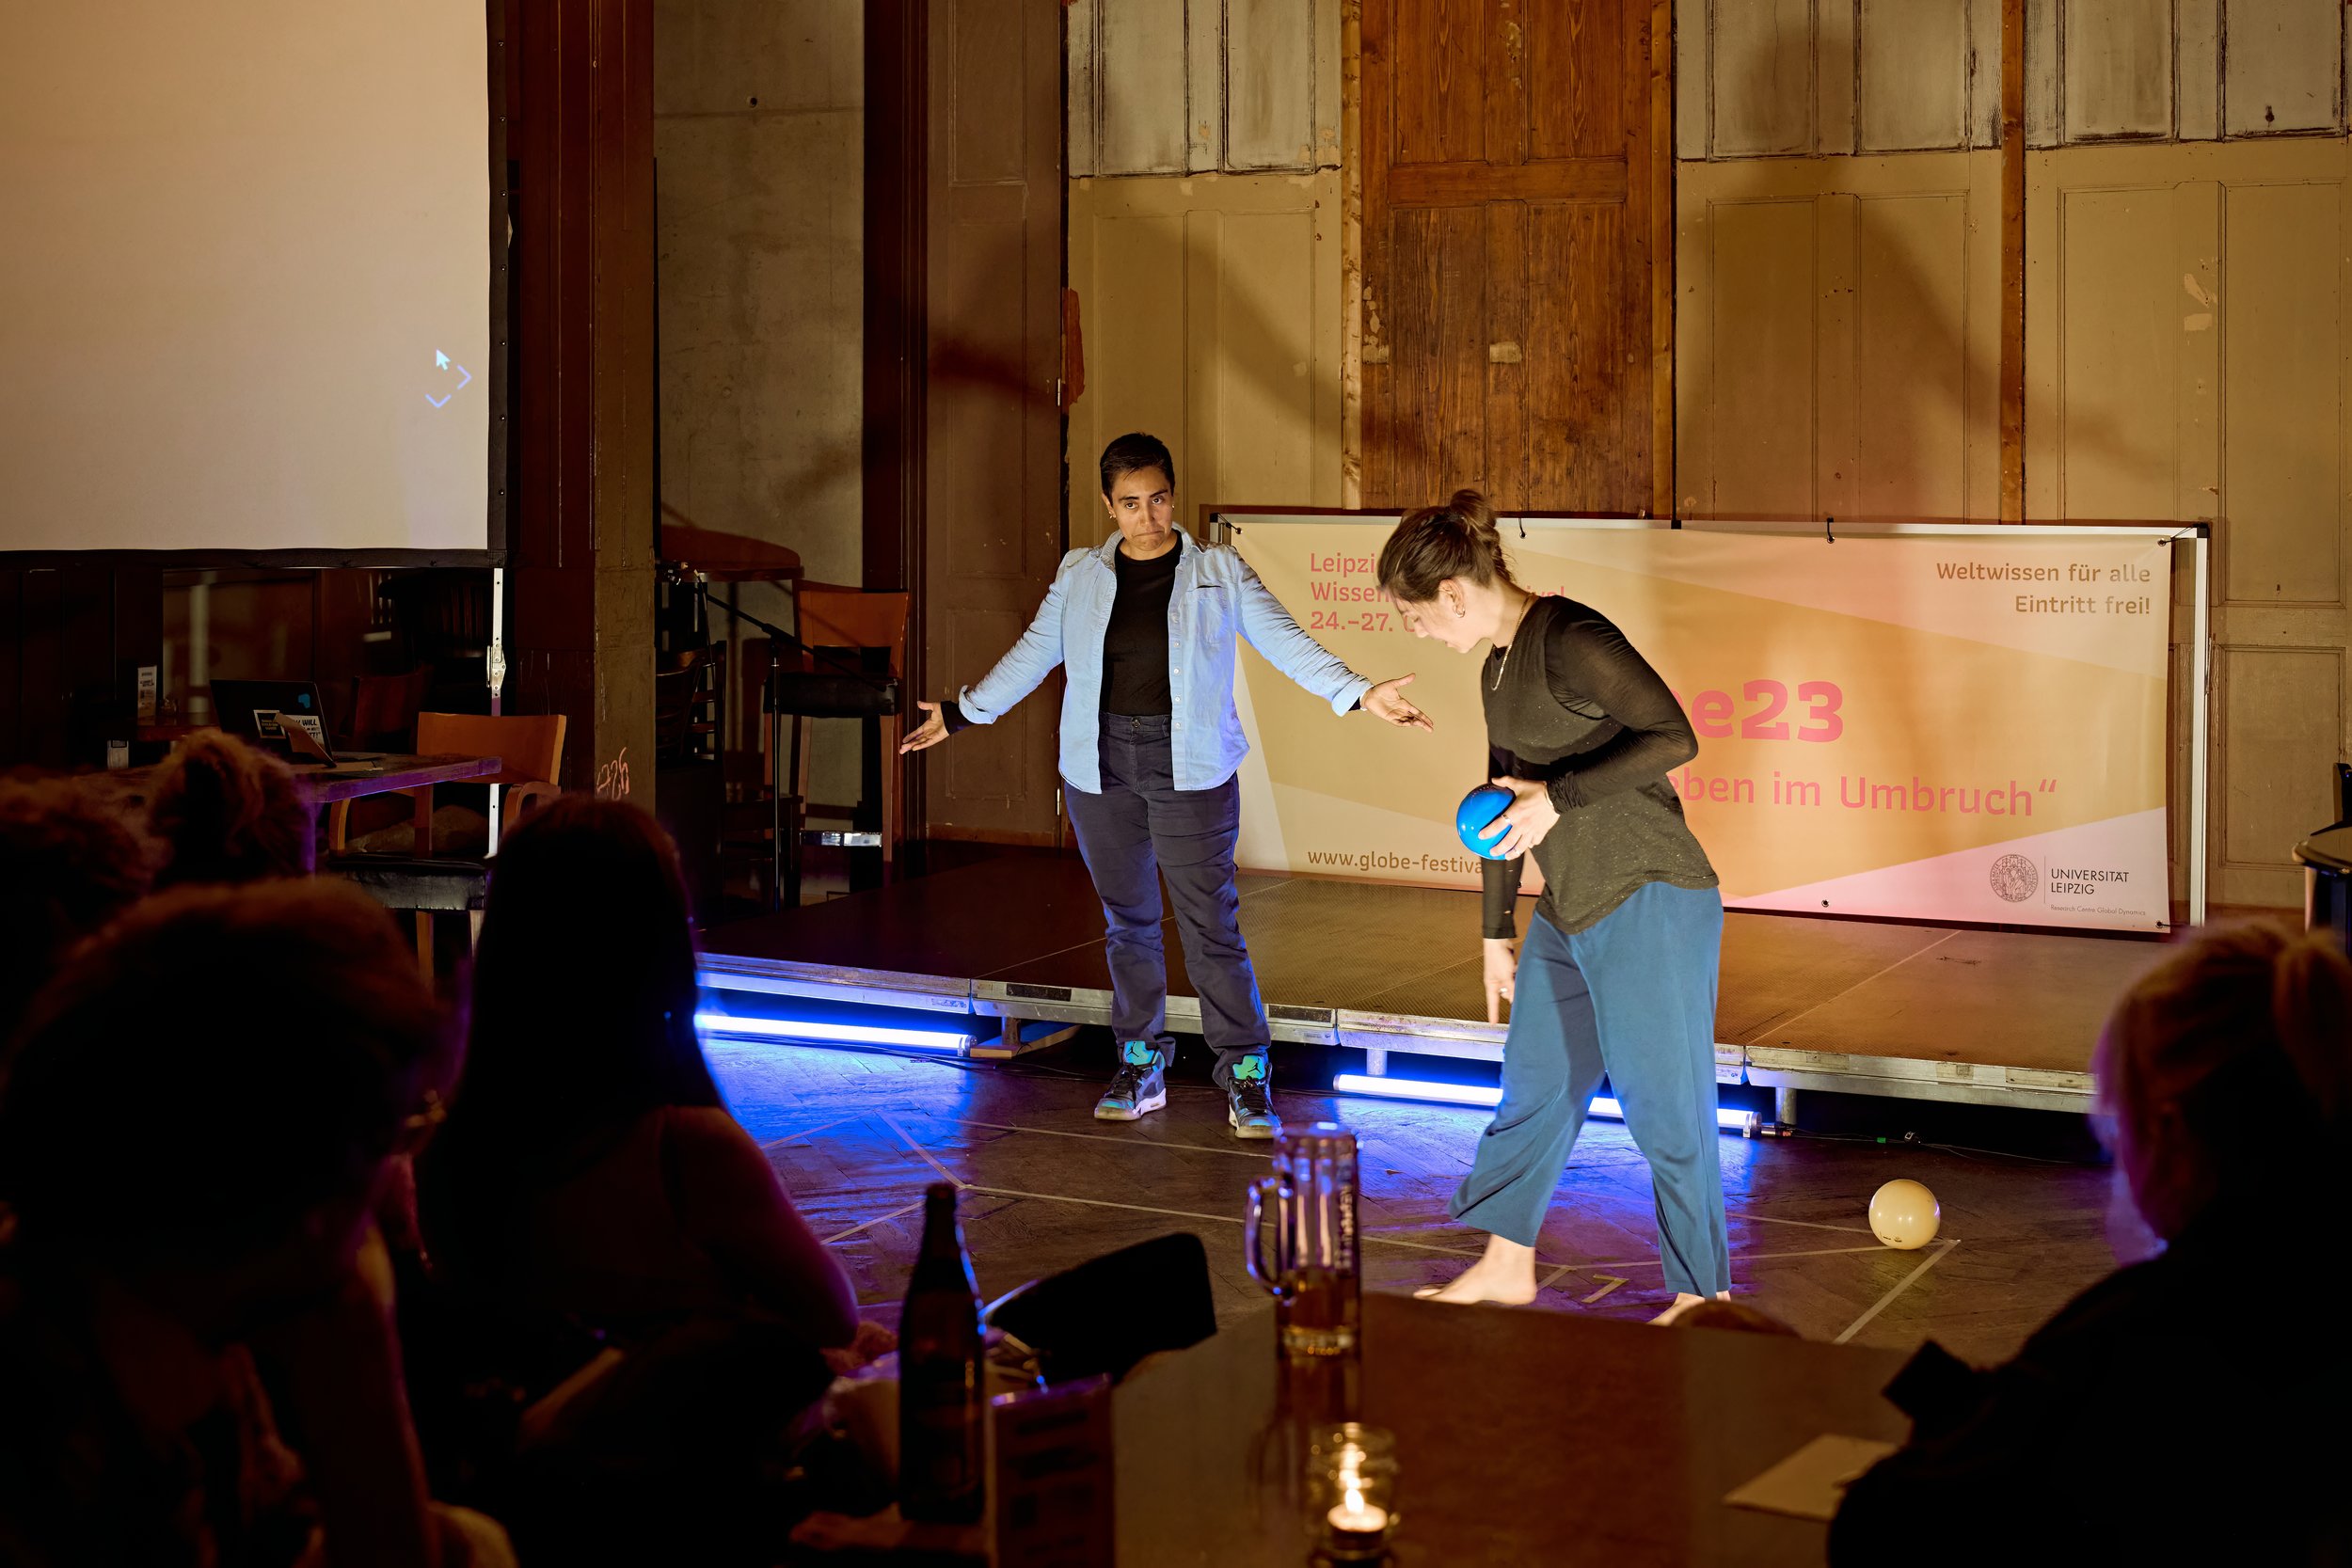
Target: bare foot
1505,1275
1683,1302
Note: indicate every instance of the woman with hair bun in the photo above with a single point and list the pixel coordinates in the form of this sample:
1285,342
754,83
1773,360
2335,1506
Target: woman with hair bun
1617,972
2170,1413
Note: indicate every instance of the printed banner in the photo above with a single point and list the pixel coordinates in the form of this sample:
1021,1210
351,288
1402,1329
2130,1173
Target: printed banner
1939,726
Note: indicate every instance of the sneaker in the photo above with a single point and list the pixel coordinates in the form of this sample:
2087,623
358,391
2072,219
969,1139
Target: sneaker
1249,1099
1138,1087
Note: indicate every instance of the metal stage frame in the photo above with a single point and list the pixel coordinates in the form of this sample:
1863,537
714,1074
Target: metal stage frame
1010,952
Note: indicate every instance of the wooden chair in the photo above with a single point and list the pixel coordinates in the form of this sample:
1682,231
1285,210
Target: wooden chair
384,708
848,629
529,748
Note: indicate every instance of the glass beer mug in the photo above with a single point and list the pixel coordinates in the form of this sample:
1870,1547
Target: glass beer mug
1298,1239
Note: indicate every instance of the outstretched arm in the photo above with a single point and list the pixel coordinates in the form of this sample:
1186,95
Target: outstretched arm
1272,632
1014,676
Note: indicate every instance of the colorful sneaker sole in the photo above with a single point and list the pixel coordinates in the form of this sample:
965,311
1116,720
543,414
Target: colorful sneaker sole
1252,1130
1105,1111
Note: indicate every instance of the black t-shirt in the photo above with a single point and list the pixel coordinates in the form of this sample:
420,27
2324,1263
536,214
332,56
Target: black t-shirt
1135,644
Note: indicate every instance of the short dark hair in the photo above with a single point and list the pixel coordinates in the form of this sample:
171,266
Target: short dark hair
135,1125
1133,453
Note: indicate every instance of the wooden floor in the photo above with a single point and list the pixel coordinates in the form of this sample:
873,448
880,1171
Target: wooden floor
856,1136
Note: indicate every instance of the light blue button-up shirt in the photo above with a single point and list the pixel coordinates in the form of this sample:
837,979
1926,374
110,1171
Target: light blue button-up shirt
1215,598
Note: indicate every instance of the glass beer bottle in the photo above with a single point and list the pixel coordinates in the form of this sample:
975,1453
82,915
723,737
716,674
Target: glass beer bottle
941,1478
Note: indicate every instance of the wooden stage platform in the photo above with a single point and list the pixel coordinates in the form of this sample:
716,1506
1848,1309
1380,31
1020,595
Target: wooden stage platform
1862,1007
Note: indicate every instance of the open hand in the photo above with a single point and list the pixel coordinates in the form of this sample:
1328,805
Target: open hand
1386,701
1530,817
1501,968
931,732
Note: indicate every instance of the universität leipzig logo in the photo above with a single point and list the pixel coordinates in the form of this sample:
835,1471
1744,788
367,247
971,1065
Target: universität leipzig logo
2014,878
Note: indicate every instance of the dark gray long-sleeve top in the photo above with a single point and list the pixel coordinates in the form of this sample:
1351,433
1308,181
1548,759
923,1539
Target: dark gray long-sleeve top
1571,703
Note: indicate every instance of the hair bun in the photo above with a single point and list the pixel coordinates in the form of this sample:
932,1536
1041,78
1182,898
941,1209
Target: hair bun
1475,511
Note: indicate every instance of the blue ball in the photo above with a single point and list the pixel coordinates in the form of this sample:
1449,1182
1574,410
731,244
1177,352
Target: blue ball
1476,819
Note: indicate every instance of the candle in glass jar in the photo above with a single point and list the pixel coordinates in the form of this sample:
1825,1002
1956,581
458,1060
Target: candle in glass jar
1352,1513
1355,1507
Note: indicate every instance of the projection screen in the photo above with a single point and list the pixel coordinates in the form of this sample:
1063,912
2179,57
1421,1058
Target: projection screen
245,283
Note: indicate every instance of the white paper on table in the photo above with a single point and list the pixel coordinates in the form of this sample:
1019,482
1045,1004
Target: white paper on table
1811,1482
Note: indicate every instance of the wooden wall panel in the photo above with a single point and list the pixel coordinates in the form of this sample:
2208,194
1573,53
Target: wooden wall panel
1913,74
12,630
47,679
1760,78
2197,70
2044,126
1911,369
2113,432
72,640
1129,269
1269,79
1174,87
2280,721
1779,78
1762,401
2283,395
1082,90
2187,356
1141,85
992,427
2116,59
1837,341
1264,368
1212,320
2184,69
2285,67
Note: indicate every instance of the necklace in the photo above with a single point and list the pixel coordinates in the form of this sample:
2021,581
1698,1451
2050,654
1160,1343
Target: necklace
1494,682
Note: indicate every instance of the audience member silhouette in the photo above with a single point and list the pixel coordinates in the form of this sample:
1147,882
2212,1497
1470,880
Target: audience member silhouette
591,1190
197,1357
225,812
2160,1416
70,859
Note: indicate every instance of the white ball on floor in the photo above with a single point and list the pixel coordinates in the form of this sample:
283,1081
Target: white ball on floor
1905,1215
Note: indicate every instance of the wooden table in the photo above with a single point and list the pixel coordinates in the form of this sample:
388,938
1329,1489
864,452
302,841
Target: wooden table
322,786
1521,1437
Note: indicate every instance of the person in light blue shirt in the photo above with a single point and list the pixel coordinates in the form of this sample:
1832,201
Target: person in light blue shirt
1145,624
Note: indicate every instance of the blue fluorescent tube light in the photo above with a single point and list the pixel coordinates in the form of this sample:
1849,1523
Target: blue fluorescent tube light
1417,1089
1726,1118
819,1033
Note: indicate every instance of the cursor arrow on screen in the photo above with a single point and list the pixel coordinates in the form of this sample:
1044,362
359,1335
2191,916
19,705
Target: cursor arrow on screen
440,361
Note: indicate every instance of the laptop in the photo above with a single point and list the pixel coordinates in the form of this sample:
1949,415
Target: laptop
282,716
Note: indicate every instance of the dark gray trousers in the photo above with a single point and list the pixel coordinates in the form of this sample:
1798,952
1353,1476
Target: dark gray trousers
1139,829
